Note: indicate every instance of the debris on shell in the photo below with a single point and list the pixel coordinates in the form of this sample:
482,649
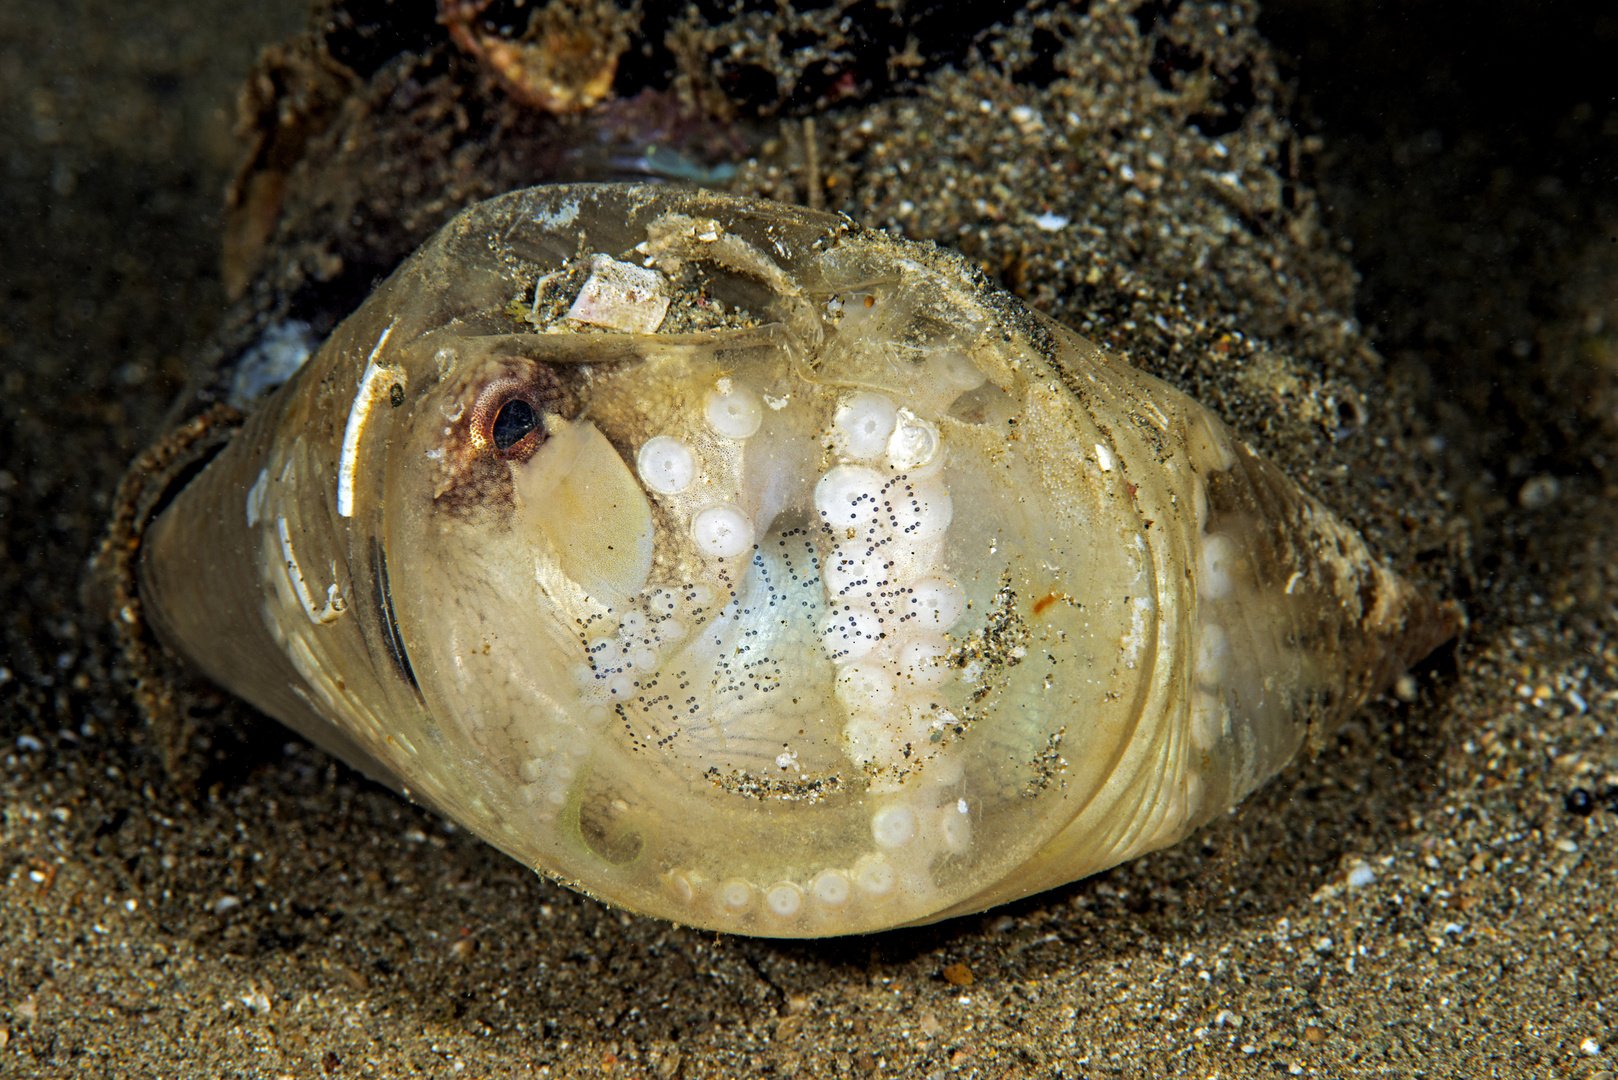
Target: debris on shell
564,63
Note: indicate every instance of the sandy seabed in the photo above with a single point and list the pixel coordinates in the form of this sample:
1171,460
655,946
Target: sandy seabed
1430,895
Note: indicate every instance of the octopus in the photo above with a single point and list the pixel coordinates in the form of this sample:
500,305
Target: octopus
744,567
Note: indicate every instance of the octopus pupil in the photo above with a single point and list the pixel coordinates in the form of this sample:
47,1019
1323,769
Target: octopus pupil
515,419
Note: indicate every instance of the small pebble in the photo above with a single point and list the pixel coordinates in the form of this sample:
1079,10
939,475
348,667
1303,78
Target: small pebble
1538,492
1579,802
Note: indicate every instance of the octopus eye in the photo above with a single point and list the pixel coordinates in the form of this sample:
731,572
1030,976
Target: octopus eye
512,423
508,415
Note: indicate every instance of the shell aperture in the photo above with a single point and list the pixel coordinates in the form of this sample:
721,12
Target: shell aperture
745,568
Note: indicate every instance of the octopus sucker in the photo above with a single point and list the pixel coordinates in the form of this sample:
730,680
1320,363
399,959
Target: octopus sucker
746,568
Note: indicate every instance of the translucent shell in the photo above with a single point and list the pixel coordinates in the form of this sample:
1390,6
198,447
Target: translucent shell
744,568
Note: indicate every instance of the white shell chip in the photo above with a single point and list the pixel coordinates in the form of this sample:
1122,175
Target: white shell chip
621,296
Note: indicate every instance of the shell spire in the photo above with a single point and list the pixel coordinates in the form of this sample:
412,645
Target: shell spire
749,569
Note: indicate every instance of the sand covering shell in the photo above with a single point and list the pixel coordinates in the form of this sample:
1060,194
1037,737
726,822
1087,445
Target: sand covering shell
746,568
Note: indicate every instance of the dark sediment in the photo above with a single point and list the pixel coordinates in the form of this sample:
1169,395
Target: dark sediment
1424,895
